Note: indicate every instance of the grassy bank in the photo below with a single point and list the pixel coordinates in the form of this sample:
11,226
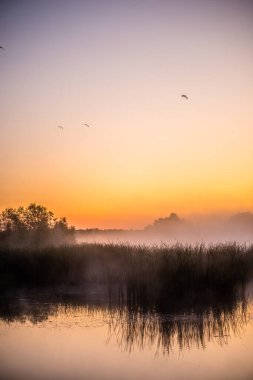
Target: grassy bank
136,274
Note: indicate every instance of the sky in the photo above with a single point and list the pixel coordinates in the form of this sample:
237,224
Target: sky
121,67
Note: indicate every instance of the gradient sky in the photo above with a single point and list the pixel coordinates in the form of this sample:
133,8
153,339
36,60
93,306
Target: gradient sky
121,67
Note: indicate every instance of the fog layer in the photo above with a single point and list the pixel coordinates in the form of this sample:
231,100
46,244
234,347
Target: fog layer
169,230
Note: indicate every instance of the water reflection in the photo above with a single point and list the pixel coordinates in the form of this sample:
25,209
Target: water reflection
134,328
181,325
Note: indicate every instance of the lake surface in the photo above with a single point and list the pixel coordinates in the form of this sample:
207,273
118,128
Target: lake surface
46,337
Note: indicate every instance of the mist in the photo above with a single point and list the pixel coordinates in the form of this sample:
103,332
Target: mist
205,229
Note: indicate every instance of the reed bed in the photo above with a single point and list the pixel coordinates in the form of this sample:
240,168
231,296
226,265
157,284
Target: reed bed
137,274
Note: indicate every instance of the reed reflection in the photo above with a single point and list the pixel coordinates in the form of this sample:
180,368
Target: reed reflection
135,327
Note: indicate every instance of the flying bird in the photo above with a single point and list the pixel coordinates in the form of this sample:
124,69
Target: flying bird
59,126
85,125
184,96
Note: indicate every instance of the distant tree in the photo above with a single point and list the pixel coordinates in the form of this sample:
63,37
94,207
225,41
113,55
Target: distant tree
33,226
163,224
171,220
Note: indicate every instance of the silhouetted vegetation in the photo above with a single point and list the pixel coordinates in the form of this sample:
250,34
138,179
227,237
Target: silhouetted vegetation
166,223
184,326
218,322
140,275
33,227
168,295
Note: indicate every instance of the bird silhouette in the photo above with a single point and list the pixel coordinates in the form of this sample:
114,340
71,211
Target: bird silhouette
59,126
184,96
85,125
1,47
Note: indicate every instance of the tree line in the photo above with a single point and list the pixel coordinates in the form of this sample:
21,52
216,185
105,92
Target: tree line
33,226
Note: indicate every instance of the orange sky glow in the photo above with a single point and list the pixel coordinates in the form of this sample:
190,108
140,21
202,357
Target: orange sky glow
121,67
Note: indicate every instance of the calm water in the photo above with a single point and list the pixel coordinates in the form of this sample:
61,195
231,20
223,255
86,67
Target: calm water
44,337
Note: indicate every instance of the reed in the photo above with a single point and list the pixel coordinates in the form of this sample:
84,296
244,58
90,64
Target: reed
137,274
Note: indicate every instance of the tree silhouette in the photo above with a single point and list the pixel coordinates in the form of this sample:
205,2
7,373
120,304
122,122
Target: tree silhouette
33,226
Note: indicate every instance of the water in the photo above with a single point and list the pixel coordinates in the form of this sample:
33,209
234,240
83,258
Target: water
51,337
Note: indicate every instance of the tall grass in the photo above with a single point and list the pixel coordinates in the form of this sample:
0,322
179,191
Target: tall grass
137,274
